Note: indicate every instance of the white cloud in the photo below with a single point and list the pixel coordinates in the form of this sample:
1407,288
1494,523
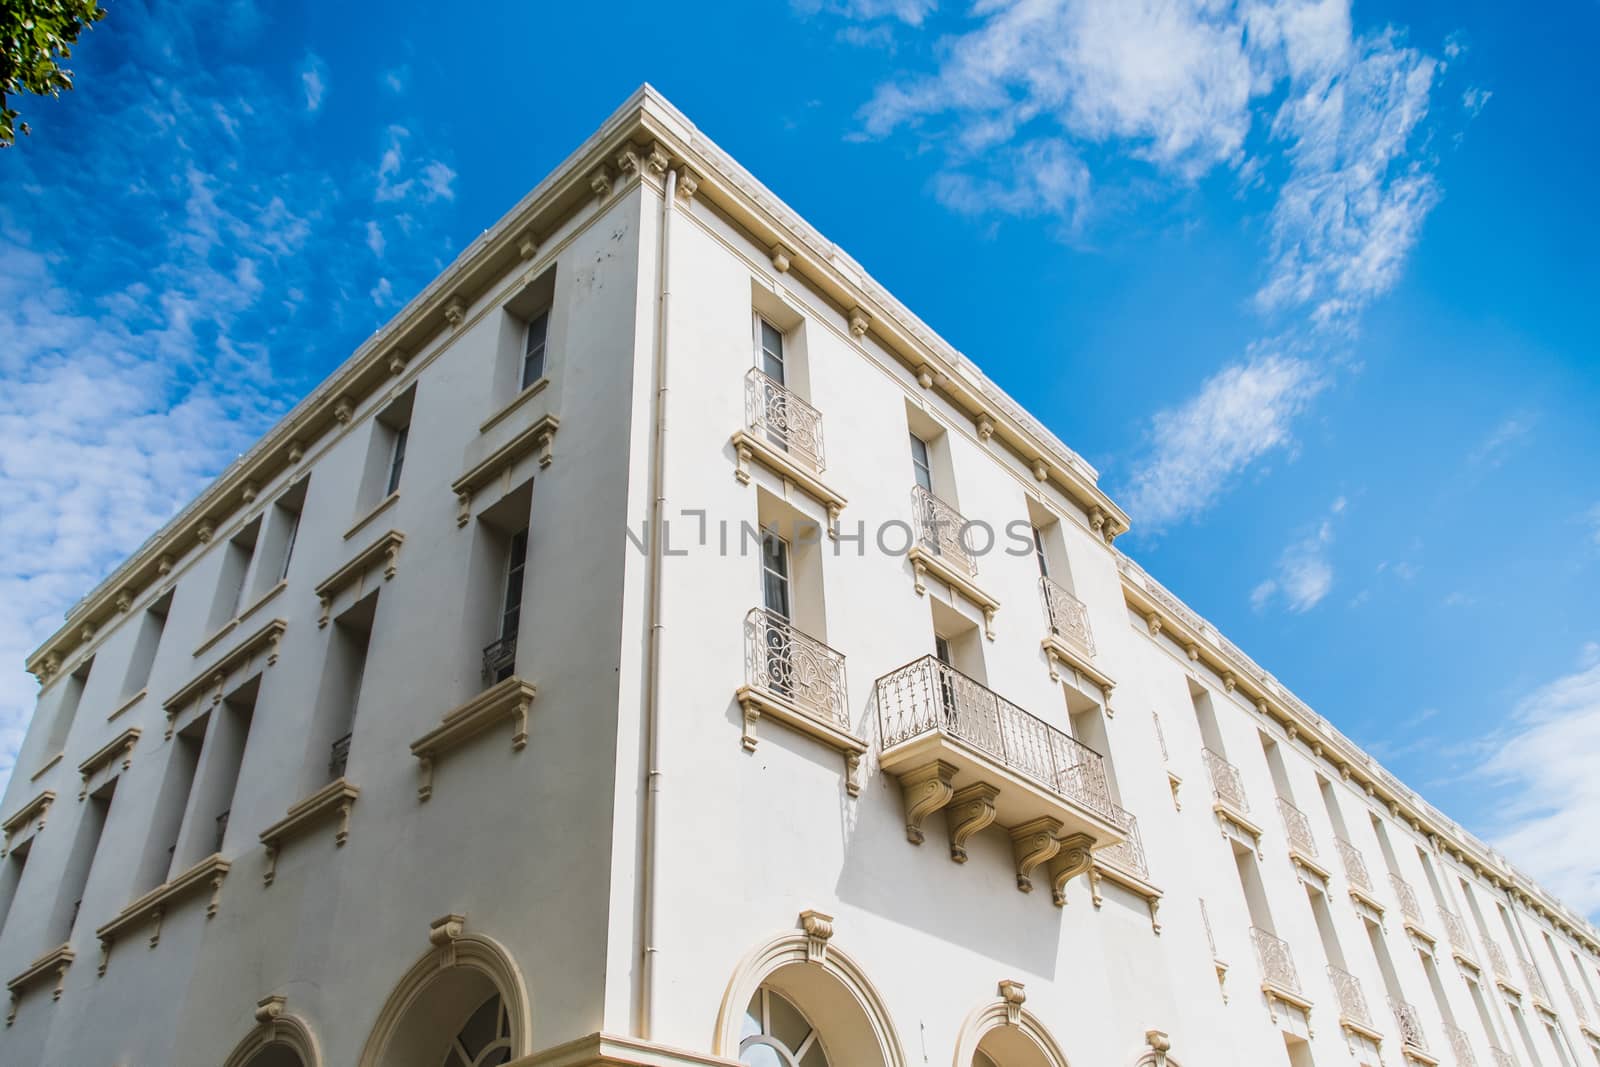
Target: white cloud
911,12
1544,765
1474,100
1304,573
313,79
399,181
397,79
383,293
1241,413
375,239
1491,451
1038,178
437,181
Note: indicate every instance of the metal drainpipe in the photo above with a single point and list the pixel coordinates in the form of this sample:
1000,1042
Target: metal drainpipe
652,782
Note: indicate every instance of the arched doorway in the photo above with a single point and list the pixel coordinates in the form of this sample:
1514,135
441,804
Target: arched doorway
1002,1033
279,1039
778,1034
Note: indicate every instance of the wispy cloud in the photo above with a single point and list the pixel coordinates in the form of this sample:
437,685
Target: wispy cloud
1491,452
375,239
399,179
1241,413
314,80
1474,100
397,79
1285,97
1545,766
911,12
1304,574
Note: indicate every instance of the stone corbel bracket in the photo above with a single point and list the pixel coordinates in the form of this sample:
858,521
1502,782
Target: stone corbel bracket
333,801
123,745
443,933
537,438
1073,857
386,549
507,700
55,962
818,928
1033,843
924,563
262,643
926,789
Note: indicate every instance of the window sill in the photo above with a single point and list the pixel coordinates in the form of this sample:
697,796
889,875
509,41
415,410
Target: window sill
507,701
126,704
385,549
263,642
121,745
262,599
223,631
383,505
335,798
521,398
51,762
153,905
55,962
38,807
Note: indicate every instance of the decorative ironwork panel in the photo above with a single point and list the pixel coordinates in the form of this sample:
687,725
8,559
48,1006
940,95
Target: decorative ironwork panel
1277,963
1535,982
339,757
1408,898
788,662
927,695
500,660
1460,1046
1497,958
774,411
941,530
1352,1002
1129,854
1455,930
1502,1058
1069,616
1577,1003
1410,1024
1355,865
1298,827
1205,919
1226,782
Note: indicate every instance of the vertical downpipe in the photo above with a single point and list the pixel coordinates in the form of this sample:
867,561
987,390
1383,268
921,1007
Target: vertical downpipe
652,777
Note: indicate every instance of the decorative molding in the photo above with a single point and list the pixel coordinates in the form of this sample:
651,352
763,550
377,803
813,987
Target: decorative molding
263,642
1073,857
153,906
970,809
925,789
509,699
37,808
600,181
748,446
527,244
386,549
534,389
1159,1045
205,530
924,563
44,768
396,361
275,1026
757,701
1033,843
781,257
333,800
216,637
860,323
536,438
122,744
56,962
126,704
1101,870
1013,994
985,426
688,184
344,409
1007,1010
255,605
1059,652
455,311
818,928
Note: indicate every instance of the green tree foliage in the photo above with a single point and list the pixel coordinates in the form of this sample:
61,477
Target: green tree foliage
34,35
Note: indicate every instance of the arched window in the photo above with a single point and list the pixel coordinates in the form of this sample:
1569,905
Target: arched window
776,1034
485,1040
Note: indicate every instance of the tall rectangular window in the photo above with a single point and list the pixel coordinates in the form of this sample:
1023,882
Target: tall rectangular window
145,644
211,799
534,340
397,459
161,846
921,465
339,692
236,556
67,710
516,565
282,534
1038,553
80,861
386,451
775,573
11,868
769,350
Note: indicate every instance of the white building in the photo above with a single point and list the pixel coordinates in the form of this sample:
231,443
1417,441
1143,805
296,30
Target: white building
407,743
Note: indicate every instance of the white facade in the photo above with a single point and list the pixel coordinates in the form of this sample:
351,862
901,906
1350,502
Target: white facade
670,806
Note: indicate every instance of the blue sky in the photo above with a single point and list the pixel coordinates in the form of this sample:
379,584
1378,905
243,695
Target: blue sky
1312,285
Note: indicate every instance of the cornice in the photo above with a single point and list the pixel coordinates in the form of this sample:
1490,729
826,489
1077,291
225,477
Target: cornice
215,677
587,178
121,745
386,548
1204,644
38,806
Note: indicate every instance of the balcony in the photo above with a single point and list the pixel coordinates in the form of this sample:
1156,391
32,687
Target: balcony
1124,863
783,433
1535,983
1460,1046
1228,797
939,547
1353,1014
955,744
1502,970
1460,940
792,677
1415,1045
1279,979
1302,846
1355,872
1070,642
1502,1058
1411,910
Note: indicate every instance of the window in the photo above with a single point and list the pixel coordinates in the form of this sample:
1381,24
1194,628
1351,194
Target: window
236,557
1038,553
291,533
941,649
533,347
397,459
921,467
280,530
516,564
775,573
769,350
85,843
11,868
67,710
339,692
145,644
485,1039
776,1034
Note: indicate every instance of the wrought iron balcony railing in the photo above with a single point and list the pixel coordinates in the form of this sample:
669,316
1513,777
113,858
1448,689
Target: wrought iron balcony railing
1410,1024
926,696
1355,865
789,663
1455,930
1298,827
1409,906
1502,1058
1577,1003
1277,963
774,411
1535,982
1069,617
1352,1002
500,660
1129,853
1460,1046
941,530
1227,785
1497,959
339,757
